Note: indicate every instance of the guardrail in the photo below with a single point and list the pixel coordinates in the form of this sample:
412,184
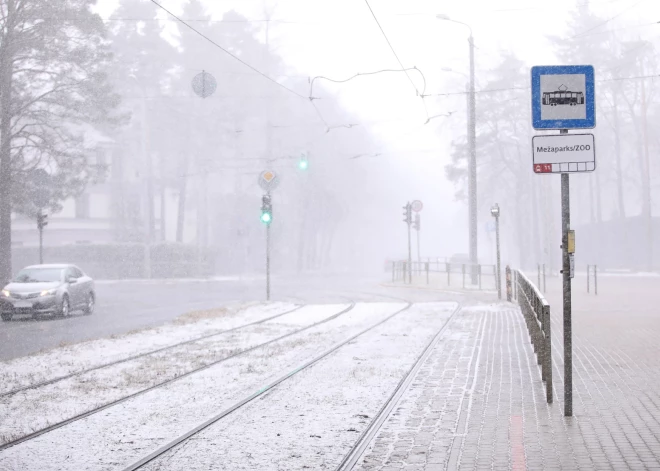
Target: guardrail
445,273
536,311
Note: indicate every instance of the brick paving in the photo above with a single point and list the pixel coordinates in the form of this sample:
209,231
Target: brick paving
478,402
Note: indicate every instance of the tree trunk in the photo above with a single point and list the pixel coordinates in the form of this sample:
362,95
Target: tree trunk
181,212
646,182
6,73
619,172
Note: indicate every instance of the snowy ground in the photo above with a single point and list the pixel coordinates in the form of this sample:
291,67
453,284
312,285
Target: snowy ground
35,409
69,359
123,433
312,420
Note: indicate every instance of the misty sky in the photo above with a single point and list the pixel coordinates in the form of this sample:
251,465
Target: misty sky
340,38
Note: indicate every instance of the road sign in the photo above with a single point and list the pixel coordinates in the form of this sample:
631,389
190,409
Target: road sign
268,180
563,97
416,206
571,242
564,153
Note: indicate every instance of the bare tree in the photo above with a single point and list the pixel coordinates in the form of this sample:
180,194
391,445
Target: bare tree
53,88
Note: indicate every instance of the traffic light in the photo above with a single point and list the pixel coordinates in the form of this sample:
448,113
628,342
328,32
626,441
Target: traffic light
417,223
407,214
266,210
303,163
42,221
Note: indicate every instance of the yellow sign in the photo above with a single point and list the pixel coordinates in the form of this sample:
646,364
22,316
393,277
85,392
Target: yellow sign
571,241
268,176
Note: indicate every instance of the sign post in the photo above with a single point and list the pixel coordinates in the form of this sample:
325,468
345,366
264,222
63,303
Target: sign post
417,206
563,98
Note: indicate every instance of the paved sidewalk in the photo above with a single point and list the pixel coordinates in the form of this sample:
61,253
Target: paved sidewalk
478,403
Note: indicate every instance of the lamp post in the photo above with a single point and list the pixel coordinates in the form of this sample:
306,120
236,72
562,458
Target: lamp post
472,160
495,212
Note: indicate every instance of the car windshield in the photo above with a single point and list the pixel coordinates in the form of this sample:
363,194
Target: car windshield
38,275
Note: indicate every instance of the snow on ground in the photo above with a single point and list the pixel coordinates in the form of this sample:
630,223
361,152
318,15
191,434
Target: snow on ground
123,433
37,408
65,360
312,420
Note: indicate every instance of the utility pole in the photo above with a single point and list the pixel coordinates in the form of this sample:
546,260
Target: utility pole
495,212
407,218
472,169
417,228
472,158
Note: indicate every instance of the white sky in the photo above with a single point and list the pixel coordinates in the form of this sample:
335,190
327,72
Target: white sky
338,38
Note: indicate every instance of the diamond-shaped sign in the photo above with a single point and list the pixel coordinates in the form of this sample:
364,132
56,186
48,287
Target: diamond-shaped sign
268,180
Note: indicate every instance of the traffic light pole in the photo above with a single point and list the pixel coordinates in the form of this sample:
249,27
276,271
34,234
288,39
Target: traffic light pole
409,256
41,246
268,262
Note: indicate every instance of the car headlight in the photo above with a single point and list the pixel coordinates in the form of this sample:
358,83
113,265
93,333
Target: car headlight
6,293
48,292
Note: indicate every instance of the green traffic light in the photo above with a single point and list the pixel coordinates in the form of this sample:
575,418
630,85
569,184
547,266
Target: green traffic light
266,218
303,164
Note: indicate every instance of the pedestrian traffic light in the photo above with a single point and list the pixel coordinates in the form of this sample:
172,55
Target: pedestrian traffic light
42,221
407,214
417,223
266,210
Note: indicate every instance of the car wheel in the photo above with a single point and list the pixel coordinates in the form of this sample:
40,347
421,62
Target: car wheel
65,308
7,316
89,305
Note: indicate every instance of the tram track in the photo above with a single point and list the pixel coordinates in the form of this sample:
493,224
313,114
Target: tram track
162,450
357,450
143,354
95,410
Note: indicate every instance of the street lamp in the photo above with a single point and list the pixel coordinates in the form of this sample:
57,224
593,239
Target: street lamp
495,212
472,161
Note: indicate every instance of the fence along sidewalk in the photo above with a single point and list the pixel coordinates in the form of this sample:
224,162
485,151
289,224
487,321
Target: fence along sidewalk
536,311
437,272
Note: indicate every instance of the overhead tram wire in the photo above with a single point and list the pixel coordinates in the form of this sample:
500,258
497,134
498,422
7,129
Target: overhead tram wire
227,52
603,23
426,111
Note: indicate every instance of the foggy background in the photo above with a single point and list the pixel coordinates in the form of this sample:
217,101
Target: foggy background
372,142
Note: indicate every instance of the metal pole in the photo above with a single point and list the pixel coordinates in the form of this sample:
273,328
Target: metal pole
419,258
268,262
448,274
409,256
41,246
566,272
472,169
588,266
499,268
548,353
595,279
544,277
479,277
538,275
